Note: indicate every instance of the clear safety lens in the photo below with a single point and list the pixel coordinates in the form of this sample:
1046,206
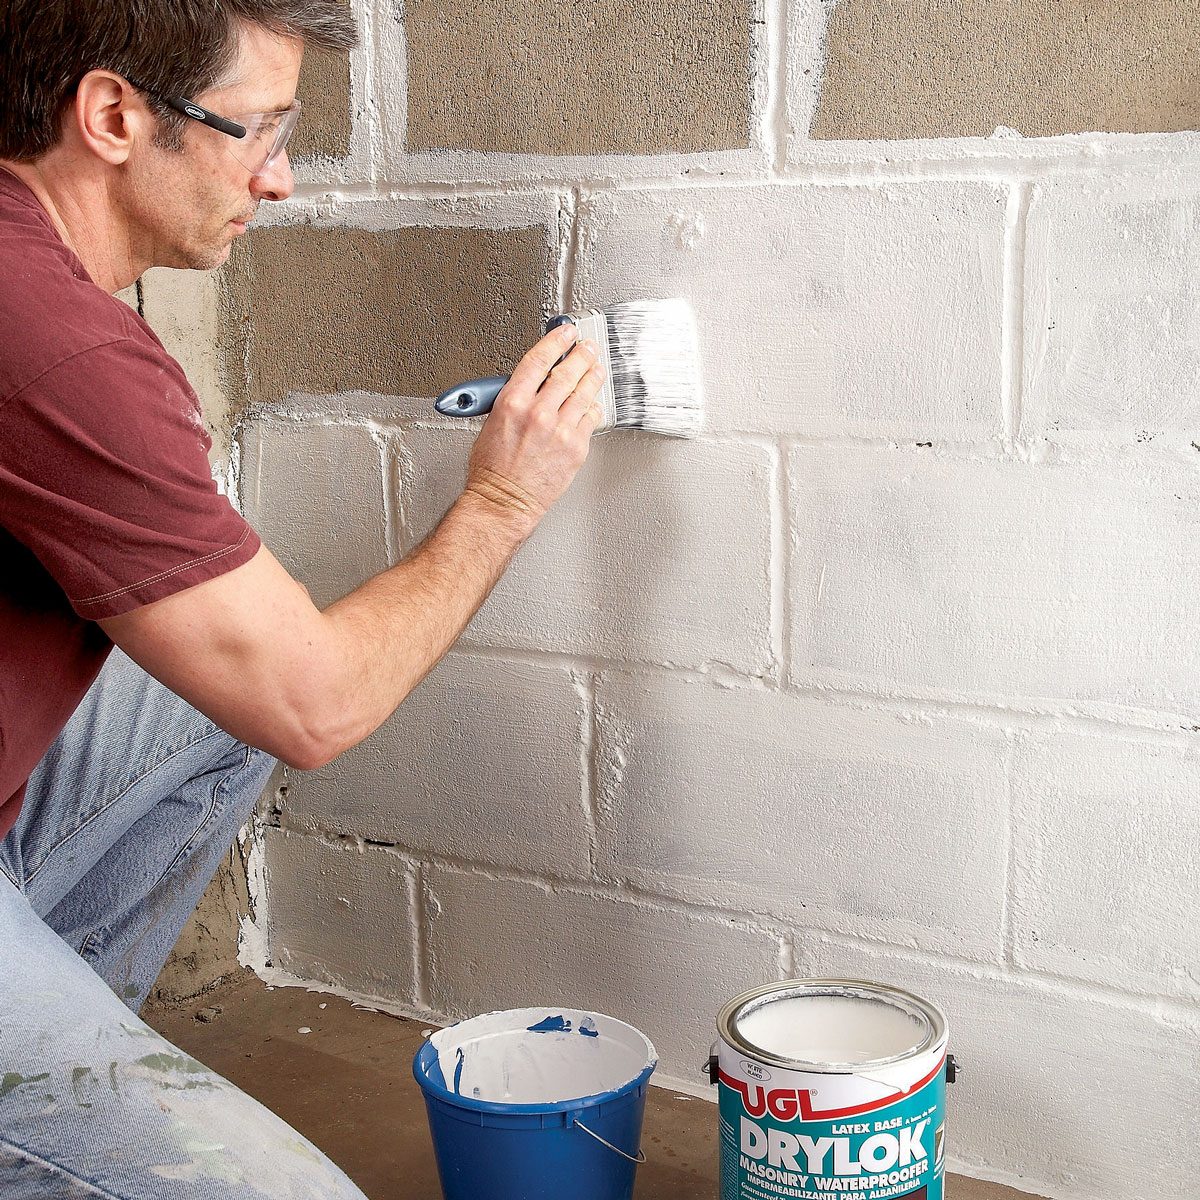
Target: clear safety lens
266,137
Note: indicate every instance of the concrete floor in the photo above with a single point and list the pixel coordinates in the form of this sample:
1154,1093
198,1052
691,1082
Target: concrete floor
348,1087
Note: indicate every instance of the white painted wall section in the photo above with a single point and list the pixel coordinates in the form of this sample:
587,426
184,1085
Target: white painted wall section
1113,278
640,961
1034,586
764,801
826,311
482,764
625,566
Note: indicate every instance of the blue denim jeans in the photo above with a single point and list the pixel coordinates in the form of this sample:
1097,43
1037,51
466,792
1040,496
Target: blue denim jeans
125,821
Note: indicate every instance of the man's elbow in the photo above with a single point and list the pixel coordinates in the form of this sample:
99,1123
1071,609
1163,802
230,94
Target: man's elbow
306,745
310,756
312,727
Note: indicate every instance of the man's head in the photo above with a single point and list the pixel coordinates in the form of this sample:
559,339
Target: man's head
91,88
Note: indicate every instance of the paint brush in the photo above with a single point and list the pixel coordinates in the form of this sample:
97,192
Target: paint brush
651,356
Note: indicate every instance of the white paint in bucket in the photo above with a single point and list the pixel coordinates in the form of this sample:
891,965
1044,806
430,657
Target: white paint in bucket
833,1029
540,1055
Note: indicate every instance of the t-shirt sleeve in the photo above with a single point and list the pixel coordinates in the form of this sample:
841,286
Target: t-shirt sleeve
104,476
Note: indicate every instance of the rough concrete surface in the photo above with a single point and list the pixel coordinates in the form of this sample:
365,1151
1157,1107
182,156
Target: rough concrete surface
183,309
401,312
611,76
348,1087
207,948
959,68
324,90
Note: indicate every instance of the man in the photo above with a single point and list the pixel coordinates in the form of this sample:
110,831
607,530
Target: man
135,135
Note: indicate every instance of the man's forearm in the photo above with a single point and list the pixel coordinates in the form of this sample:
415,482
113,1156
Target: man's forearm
396,626
249,649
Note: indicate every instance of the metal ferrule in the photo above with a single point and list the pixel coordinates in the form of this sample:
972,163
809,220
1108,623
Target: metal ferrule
592,324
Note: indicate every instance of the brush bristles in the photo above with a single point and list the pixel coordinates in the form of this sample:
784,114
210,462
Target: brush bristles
655,359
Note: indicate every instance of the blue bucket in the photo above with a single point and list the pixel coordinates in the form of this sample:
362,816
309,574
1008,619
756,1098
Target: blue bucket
536,1104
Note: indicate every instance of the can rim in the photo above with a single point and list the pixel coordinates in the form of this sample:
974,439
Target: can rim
767,993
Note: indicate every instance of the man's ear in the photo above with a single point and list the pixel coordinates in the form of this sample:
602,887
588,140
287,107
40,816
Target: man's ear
109,116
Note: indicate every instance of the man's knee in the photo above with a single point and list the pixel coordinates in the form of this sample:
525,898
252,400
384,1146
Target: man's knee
90,1092
147,1120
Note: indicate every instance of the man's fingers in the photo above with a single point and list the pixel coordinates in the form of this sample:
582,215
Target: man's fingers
568,375
537,364
581,408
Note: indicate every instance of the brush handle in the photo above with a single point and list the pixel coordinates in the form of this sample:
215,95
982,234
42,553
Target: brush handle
476,397
471,399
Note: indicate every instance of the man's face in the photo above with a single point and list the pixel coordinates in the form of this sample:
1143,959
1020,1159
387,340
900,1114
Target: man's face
191,203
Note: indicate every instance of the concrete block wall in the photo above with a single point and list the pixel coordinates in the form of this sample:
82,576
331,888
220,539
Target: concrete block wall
892,672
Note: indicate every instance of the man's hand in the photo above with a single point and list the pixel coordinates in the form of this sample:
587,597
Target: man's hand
539,431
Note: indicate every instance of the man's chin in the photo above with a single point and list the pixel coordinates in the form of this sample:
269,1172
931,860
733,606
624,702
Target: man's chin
206,258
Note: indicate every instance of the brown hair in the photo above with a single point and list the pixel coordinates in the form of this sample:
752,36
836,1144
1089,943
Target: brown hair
175,47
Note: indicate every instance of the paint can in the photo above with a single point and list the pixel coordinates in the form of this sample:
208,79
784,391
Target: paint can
536,1104
831,1088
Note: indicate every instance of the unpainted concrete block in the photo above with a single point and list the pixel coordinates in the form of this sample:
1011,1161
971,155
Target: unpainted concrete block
1106,831
502,943
611,76
207,948
1112,327
314,493
995,581
960,68
340,915
402,312
183,307
324,90
626,564
1052,1078
823,311
861,821
481,762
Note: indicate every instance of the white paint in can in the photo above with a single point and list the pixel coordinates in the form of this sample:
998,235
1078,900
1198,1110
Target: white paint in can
833,1029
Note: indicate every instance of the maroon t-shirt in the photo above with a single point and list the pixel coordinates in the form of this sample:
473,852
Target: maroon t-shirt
106,497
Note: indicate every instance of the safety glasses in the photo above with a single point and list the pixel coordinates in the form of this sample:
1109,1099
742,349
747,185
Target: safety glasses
258,139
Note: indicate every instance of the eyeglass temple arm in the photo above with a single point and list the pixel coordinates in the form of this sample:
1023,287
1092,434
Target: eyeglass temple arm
215,120
189,109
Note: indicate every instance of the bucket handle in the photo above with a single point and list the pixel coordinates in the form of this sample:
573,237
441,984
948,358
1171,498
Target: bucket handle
641,1156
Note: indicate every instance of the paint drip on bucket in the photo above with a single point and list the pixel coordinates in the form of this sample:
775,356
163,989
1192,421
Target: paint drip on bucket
831,1088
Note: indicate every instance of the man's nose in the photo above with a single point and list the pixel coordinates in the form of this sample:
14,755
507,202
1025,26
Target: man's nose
275,182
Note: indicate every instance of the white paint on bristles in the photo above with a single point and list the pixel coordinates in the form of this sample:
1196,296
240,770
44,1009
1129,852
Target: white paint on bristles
655,366
833,1030
502,1057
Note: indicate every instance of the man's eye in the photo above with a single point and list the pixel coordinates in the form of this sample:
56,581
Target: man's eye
267,128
